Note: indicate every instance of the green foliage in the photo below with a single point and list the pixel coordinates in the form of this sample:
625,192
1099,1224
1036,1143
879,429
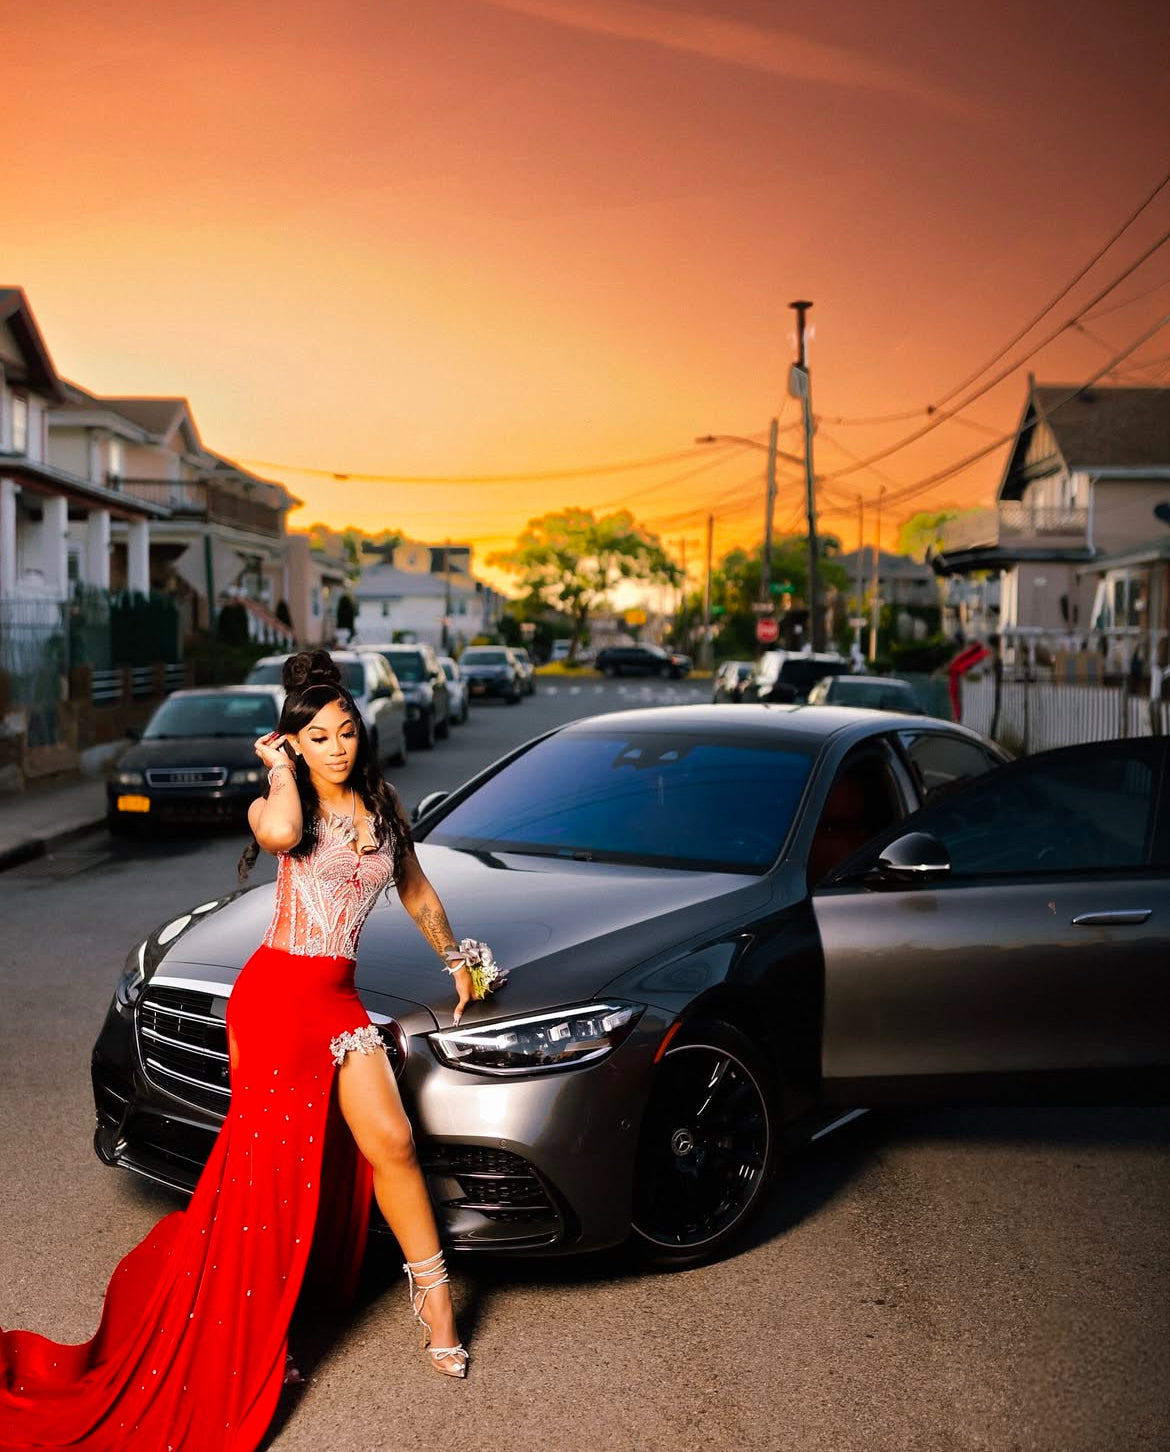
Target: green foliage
926,655
232,625
923,531
571,560
144,629
735,587
284,614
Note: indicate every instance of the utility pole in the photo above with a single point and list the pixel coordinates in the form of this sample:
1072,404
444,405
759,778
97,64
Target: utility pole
800,384
858,617
708,644
876,604
769,509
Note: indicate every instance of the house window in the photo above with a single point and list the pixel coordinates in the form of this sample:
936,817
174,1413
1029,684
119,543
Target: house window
116,461
385,609
19,424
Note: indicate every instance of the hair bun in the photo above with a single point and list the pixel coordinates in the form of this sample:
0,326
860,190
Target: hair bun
310,668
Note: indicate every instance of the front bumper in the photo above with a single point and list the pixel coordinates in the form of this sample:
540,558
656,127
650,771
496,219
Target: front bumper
534,1165
177,804
491,686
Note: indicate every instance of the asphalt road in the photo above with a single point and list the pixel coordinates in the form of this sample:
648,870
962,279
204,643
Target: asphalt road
930,1280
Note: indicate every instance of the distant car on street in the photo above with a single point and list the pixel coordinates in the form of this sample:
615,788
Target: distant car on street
527,669
786,676
560,650
874,693
642,660
457,688
492,670
375,691
731,679
195,760
424,684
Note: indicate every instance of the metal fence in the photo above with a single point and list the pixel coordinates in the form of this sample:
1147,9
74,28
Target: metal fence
1028,715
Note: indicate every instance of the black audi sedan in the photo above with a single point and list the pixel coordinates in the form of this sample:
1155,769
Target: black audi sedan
195,760
727,932
642,660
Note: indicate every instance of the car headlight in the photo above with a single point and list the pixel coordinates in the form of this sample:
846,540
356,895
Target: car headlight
246,776
127,778
559,1040
129,985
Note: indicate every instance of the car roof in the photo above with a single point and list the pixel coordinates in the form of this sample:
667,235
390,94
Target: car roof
766,721
878,680
342,655
276,692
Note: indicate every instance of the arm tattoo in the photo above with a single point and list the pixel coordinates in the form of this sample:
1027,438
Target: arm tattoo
433,924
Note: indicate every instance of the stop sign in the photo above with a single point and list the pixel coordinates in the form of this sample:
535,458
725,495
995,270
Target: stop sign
767,629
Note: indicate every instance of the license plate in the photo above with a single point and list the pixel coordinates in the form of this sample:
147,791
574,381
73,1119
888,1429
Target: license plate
134,804
477,689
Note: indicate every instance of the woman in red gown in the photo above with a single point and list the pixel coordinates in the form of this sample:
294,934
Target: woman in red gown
191,1350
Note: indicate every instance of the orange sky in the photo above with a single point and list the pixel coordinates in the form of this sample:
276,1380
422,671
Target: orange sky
476,237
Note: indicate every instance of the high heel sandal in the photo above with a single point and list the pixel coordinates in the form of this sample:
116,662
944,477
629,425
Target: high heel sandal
422,1277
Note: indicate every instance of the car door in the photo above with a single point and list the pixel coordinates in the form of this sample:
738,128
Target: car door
1036,966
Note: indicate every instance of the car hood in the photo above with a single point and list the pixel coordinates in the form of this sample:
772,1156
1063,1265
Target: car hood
563,930
232,751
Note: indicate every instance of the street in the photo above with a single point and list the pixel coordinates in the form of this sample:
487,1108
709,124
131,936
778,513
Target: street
977,1279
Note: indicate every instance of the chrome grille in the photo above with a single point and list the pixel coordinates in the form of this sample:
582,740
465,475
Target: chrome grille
187,776
182,1039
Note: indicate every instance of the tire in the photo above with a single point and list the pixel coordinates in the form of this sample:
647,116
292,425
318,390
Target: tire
118,826
666,673
514,698
466,713
424,737
693,1193
402,755
443,729
609,671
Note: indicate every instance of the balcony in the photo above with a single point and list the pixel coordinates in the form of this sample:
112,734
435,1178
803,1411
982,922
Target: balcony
198,499
1011,522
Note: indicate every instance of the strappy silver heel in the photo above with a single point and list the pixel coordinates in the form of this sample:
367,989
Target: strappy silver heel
422,1277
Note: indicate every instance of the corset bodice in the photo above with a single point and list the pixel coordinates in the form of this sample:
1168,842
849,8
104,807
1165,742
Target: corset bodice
324,897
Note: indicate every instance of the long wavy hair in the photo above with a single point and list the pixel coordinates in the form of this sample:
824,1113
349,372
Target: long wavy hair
311,681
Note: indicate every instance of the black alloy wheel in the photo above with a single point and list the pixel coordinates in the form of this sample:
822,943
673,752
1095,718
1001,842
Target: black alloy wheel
707,1147
443,728
513,698
425,734
610,671
401,755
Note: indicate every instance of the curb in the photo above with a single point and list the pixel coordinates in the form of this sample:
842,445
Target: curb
34,847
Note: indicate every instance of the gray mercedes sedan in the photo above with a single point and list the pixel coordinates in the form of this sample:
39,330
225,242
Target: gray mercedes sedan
726,932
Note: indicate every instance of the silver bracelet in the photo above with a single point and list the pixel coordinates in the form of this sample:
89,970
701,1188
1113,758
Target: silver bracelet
280,766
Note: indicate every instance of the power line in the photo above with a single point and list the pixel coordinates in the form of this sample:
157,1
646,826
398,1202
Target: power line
1004,373
536,476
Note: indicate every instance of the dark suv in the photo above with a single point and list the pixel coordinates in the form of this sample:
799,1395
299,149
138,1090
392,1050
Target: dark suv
642,660
424,685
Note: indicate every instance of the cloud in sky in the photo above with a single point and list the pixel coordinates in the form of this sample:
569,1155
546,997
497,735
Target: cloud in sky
737,43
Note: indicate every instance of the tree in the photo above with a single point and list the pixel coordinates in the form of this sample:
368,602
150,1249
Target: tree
346,615
923,531
571,560
283,613
735,587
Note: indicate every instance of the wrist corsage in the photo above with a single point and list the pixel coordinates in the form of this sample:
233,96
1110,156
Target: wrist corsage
480,962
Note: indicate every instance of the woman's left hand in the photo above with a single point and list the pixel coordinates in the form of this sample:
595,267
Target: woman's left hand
463,987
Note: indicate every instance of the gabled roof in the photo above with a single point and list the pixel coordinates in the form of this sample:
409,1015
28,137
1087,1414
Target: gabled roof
39,374
384,582
160,417
1117,429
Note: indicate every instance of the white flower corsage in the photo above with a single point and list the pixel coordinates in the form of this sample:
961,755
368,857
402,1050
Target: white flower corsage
479,960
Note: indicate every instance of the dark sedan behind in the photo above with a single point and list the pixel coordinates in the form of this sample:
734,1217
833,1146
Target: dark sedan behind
195,761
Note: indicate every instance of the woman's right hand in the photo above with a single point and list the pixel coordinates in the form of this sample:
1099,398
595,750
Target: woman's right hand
272,751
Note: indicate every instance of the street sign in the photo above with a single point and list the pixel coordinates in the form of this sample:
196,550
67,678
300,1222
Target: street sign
635,616
767,630
762,607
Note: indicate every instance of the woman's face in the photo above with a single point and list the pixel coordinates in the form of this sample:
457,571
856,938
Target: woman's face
329,744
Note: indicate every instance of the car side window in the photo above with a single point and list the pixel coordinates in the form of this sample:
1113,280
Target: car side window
940,762
862,802
1079,809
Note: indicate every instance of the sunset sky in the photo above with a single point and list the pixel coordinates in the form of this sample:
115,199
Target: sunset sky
468,238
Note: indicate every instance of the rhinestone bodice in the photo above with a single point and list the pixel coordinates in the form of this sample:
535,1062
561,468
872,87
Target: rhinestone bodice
324,897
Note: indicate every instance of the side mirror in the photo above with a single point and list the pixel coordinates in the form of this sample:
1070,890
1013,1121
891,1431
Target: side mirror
915,858
428,804
133,733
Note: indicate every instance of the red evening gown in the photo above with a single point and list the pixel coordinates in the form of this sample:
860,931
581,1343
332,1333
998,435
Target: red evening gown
191,1347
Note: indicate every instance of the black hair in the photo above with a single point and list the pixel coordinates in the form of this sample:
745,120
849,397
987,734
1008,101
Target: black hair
311,681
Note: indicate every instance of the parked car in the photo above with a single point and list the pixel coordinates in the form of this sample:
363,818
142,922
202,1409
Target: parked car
375,691
458,699
642,660
195,760
527,669
492,670
424,684
874,693
784,676
560,650
730,680
727,932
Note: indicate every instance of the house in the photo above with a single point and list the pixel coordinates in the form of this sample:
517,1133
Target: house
427,593
224,534
1081,513
316,581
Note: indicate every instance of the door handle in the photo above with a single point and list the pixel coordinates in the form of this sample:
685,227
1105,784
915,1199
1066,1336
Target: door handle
1113,918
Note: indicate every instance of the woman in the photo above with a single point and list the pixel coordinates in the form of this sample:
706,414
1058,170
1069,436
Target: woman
192,1351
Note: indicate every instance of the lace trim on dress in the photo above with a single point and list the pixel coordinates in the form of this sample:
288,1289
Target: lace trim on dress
364,1040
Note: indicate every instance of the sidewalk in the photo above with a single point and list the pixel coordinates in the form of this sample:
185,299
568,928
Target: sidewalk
34,822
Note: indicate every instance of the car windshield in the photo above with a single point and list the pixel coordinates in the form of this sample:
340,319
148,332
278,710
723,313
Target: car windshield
408,664
218,713
268,673
857,691
450,669
485,657
663,799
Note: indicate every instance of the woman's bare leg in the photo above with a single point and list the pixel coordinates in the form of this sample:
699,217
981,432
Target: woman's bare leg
372,1107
